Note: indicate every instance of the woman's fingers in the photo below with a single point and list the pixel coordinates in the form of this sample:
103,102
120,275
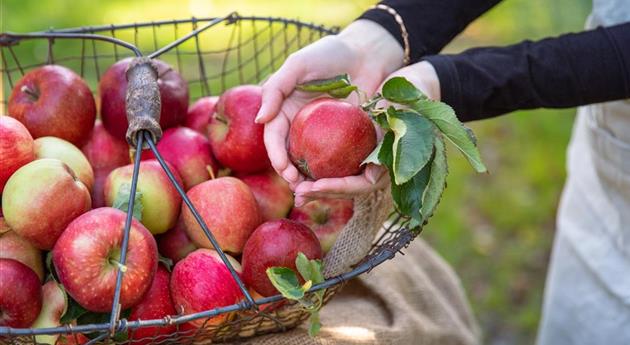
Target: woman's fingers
276,89
343,187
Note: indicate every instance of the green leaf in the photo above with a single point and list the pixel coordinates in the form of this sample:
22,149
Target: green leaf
445,119
338,87
317,275
413,143
342,92
73,312
325,85
303,266
373,156
167,262
121,201
408,196
314,324
400,90
380,117
437,180
286,282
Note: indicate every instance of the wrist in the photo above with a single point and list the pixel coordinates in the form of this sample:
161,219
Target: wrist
375,44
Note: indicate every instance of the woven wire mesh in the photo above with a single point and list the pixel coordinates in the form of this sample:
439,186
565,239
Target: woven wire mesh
212,54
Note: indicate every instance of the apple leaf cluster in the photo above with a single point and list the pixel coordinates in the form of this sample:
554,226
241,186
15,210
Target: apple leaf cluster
286,281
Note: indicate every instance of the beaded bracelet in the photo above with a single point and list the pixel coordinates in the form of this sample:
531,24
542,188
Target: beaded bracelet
403,29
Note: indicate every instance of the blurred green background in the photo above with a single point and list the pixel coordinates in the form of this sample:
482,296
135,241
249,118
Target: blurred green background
495,229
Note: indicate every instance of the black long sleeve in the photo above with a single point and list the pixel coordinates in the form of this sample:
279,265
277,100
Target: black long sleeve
567,71
431,23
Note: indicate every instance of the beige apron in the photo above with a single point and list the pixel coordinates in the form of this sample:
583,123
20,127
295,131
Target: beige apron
587,294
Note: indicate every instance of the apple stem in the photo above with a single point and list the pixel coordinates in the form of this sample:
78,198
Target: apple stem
211,172
121,267
30,92
221,119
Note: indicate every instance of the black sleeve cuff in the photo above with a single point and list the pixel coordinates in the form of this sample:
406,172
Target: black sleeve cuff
450,86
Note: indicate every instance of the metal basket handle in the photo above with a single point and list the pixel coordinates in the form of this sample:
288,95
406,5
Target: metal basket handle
143,100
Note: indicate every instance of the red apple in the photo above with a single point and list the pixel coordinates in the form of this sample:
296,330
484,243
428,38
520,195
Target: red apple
272,193
201,281
16,148
41,199
199,114
54,305
237,142
51,147
72,339
175,243
276,244
105,153
86,258
113,90
349,138
189,152
229,209
12,246
54,101
20,294
159,198
326,217
156,304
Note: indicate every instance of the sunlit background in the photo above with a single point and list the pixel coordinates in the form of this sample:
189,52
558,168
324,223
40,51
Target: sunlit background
495,229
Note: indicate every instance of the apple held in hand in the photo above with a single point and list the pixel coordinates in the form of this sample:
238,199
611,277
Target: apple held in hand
237,142
229,210
51,147
16,148
326,217
189,152
54,101
201,282
156,304
272,193
276,244
12,246
113,89
159,198
199,114
20,294
105,153
41,199
175,243
54,305
86,259
330,138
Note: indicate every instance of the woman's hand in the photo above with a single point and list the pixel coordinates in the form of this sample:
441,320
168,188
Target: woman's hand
364,50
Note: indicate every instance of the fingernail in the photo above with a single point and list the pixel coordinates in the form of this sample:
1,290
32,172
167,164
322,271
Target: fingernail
373,175
258,117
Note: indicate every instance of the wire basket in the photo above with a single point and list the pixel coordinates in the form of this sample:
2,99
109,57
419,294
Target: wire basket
254,47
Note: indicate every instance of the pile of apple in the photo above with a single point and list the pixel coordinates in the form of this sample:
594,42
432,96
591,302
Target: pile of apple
64,175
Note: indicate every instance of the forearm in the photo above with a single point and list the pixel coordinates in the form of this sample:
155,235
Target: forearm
567,71
431,23
374,44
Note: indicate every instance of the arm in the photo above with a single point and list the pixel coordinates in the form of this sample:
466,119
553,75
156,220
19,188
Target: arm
567,71
431,23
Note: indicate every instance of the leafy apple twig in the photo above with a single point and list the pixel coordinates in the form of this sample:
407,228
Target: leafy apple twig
412,148
287,283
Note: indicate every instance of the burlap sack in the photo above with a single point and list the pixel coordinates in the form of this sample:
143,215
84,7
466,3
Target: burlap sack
413,299
356,239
